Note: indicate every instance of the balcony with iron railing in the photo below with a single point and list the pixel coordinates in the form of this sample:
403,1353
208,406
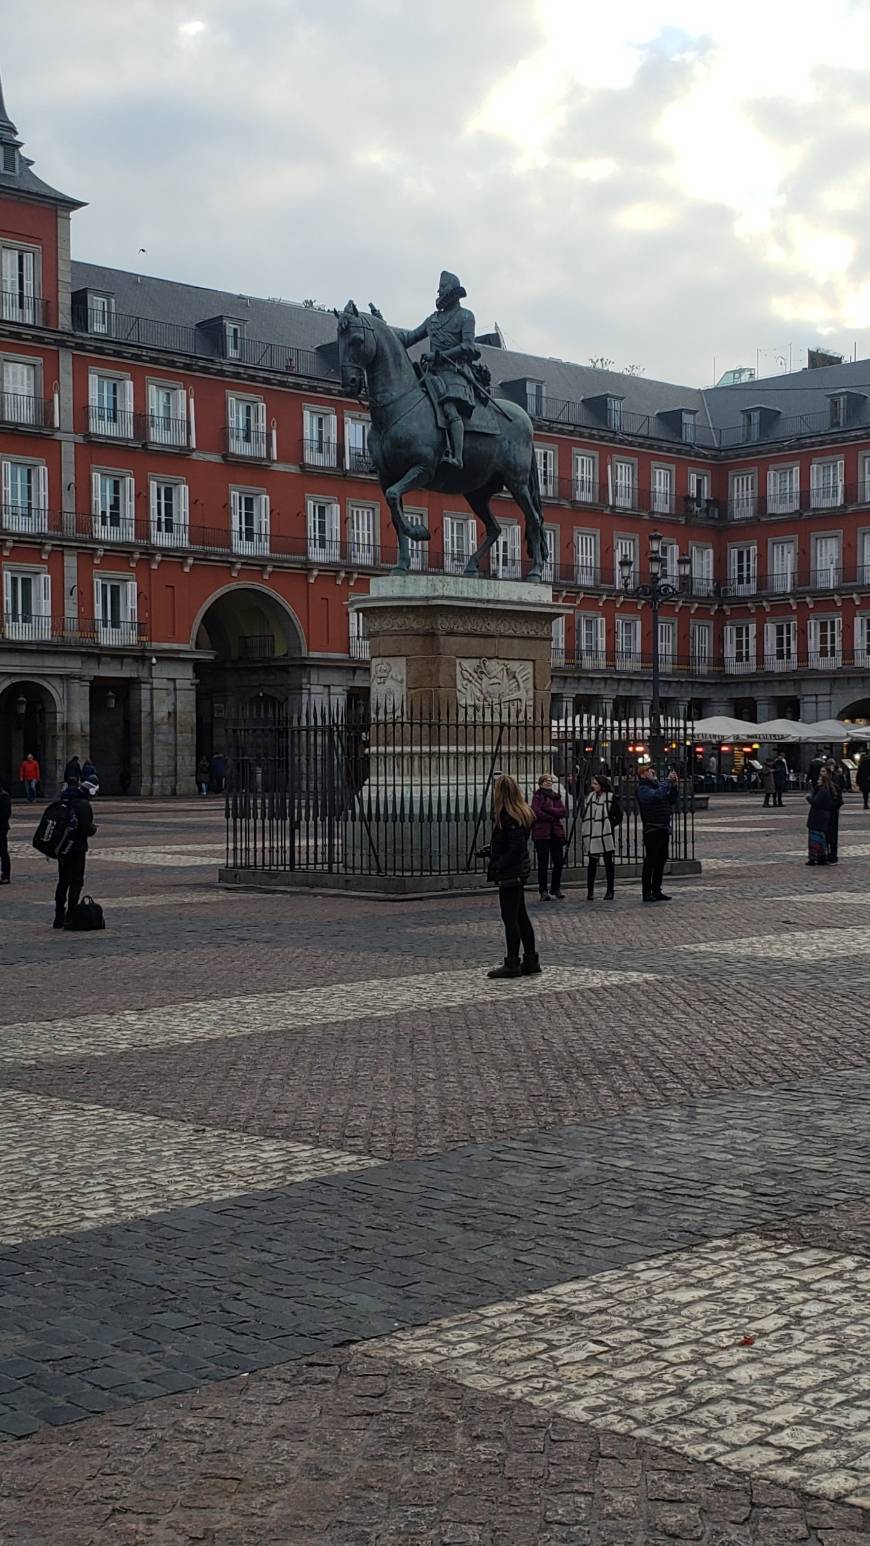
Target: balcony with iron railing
162,431
18,411
357,461
103,421
170,337
320,453
242,443
74,631
360,648
28,310
679,664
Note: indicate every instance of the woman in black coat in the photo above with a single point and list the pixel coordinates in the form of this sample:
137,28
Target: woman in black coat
823,805
508,868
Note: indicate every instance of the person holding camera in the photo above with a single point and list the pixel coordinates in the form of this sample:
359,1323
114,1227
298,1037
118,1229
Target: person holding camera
508,868
656,801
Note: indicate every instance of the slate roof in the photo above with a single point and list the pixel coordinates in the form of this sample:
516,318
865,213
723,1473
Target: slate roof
800,400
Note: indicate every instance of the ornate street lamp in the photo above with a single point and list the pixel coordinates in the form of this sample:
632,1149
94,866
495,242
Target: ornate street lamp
655,592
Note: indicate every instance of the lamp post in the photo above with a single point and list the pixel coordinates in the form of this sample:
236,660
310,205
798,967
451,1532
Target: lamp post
655,592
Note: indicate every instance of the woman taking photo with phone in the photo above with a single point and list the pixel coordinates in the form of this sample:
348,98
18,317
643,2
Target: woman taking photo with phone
509,867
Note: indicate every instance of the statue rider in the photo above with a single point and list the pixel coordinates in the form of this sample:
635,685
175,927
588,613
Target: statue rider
450,331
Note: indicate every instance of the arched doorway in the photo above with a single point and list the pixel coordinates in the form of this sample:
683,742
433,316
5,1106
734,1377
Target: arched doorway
28,723
857,712
252,650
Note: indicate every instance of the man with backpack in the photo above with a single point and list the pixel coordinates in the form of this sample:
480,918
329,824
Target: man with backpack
71,862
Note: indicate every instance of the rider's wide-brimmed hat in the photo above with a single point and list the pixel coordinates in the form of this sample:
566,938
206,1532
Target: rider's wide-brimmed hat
448,283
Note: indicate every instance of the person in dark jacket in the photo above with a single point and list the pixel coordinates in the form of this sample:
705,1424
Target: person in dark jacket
814,770
89,773
822,803
509,867
5,818
218,771
548,836
203,775
71,867
656,801
768,781
863,778
780,778
73,769
839,785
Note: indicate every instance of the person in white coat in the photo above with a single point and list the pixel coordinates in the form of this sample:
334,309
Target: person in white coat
602,813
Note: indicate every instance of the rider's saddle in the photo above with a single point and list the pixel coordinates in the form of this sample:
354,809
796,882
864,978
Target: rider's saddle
484,420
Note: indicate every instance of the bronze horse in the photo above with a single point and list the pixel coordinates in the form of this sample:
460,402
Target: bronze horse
406,443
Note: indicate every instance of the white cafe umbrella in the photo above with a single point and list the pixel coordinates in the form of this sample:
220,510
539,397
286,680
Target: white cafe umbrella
784,730
719,727
835,730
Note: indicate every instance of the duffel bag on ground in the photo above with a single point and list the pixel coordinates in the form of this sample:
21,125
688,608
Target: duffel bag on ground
87,914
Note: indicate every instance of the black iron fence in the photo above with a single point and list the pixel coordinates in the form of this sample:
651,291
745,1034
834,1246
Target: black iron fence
396,795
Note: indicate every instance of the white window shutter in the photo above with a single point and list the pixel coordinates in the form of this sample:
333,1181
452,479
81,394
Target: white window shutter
98,611
152,501
233,412
752,643
260,417
46,595
600,626
42,486
7,592
132,600
126,395
7,483
183,504
236,511
95,493
334,523
129,498
264,515
92,388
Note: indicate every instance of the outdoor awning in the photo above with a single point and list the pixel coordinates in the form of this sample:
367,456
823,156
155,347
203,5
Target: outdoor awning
784,730
720,728
835,730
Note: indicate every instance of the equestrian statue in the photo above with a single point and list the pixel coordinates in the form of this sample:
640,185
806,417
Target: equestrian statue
435,424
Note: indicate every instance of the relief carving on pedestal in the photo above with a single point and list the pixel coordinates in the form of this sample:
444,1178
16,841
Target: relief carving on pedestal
388,679
486,683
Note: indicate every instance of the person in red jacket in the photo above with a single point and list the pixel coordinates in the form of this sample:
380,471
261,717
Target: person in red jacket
548,836
30,776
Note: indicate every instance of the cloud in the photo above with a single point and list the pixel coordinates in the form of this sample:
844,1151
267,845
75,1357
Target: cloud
664,181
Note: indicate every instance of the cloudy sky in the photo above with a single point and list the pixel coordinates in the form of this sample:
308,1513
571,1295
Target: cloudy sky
666,182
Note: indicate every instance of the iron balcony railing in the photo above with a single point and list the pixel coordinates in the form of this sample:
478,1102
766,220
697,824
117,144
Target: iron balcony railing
358,461
679,664
320,453
250,445
205,343
108,422
159,429
30,310
18,411
360,649
32,629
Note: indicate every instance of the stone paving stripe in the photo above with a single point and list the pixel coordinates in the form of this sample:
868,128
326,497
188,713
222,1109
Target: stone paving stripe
745,1353
820,945
167,899
216,1019
145,857
69,1167
250,1281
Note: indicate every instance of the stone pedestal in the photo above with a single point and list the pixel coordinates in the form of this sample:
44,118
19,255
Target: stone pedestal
443,642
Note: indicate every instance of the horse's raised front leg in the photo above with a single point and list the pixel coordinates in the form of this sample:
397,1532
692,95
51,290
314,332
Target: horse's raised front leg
479,499
405,531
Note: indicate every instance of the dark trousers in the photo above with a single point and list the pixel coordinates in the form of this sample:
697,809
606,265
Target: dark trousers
5,862
767,799
833,835
550,850
655,857
71,878
592,870
517,923
777,799
866,794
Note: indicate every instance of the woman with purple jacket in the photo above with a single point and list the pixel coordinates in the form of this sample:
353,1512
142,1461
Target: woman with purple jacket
548,836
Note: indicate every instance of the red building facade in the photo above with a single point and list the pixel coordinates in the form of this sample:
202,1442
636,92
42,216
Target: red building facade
187,505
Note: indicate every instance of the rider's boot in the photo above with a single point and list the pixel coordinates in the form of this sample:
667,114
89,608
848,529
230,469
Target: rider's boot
456,438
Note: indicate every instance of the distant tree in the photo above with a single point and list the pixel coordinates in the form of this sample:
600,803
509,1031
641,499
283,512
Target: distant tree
311,305
602,362
633,370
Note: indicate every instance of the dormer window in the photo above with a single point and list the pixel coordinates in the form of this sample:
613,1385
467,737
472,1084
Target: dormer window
752,424
100,311
839,410
687,427
9,160
614,413
233,340
535,398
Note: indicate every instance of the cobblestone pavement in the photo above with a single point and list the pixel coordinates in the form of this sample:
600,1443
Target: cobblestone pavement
311,1234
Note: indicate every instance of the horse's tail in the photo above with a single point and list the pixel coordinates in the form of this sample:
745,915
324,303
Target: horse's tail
535,497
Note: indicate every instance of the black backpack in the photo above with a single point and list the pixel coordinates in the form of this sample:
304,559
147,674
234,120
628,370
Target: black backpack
87,914
57,829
